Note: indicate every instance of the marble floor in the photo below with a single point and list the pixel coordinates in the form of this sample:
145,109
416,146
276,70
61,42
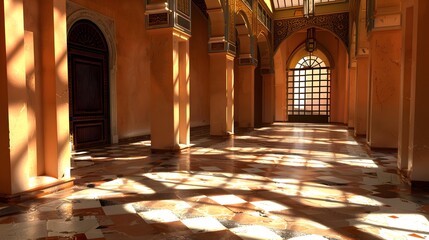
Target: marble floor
286,181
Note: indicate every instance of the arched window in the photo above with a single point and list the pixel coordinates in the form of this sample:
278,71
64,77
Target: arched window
310,61
309,90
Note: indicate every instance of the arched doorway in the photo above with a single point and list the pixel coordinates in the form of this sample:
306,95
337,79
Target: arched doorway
309,90
88,85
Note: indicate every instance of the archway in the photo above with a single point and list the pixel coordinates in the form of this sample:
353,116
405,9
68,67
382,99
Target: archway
335,53
309,89
88,59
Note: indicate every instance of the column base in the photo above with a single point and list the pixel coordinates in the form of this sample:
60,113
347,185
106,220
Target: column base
43,185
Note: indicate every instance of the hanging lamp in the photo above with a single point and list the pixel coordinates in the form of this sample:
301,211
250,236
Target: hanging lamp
309,8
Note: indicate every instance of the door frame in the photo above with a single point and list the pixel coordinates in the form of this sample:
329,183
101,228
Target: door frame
76,12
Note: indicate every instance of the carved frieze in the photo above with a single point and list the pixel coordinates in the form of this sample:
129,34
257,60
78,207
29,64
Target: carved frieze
336,23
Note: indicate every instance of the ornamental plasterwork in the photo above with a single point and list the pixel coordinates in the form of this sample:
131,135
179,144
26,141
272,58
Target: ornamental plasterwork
231,26
336,23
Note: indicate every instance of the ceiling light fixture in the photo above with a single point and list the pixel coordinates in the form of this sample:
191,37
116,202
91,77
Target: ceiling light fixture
309,8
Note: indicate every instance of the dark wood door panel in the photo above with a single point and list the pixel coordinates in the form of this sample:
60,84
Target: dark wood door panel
88,87
89,133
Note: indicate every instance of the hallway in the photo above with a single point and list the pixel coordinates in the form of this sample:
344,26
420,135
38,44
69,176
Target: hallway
286,181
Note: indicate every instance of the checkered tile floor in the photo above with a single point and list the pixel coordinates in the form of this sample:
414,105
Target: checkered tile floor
287,181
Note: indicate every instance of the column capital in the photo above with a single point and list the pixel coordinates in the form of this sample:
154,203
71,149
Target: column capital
219,44
247,59
168,13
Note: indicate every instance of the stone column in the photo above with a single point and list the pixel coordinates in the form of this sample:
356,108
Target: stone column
246,95
14,171
352,95
418,162
385,72
268,97
55,88
405,91
169,89
361,108
221,93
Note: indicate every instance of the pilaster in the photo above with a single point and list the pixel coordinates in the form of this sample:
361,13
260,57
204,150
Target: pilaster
170,96
246,96
55,89
14,171
418,161
385,65
352,95
268,97
221,93
405,90
361,109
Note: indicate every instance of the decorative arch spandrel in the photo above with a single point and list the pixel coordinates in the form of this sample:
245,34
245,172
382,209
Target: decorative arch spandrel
337,23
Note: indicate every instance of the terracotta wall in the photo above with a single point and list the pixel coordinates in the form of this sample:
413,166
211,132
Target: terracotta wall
338,52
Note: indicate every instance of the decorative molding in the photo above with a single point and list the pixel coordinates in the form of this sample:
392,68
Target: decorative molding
336,23
76,12
168,14
221,46
158,19
247,61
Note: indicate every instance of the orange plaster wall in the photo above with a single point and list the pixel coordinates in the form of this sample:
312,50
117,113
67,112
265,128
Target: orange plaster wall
280,65
34,91
199,69
385,70
5,174
133,63
338,74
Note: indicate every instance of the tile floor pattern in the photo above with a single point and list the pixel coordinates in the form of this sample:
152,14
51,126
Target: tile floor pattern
286,181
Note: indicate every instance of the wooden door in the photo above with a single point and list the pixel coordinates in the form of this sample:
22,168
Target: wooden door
88,86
